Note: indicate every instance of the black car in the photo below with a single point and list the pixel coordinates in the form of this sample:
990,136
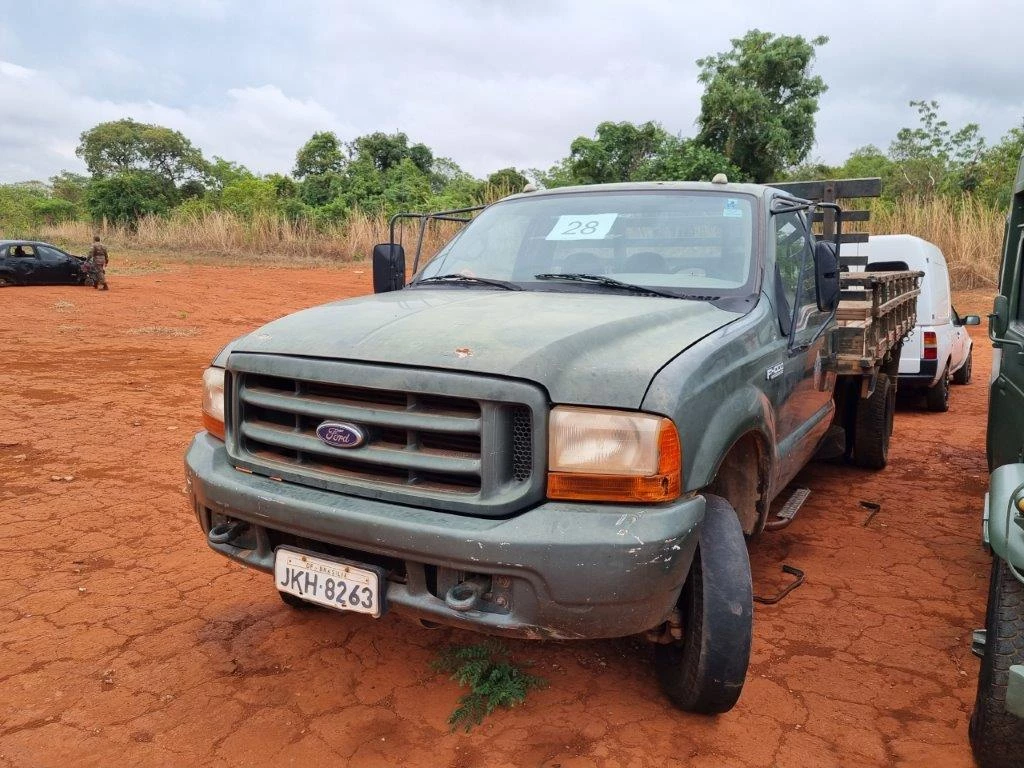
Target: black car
27,262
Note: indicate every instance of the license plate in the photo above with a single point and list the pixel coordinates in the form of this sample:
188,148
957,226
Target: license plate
333,583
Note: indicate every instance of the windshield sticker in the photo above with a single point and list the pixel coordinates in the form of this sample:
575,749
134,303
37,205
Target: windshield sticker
587,226
787,229
732,209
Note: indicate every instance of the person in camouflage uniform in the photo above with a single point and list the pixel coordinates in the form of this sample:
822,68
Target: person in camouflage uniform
98,258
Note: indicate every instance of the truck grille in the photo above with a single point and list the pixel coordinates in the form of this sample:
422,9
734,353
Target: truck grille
433,439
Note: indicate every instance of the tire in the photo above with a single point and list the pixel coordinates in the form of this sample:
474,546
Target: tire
873,425
296,602
5,281
704,672
937,395
997,737
963,373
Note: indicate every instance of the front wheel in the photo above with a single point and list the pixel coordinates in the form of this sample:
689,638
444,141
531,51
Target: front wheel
997,737
963,373
704,672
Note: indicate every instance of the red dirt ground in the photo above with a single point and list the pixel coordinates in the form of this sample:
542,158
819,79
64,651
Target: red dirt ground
125,641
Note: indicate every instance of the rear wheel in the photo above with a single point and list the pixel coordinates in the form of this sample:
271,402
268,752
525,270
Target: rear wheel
963,373
873,425
937,395
997,737
704,672
5,281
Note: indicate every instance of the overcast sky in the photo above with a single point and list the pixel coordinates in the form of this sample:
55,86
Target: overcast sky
485,82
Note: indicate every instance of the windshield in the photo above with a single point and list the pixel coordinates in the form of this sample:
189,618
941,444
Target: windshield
686,243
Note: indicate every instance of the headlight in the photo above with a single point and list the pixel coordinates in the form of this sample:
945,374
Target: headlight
601,455
213,401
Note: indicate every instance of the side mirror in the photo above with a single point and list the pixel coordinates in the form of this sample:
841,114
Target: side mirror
388,267
971,320
826,275
1000,317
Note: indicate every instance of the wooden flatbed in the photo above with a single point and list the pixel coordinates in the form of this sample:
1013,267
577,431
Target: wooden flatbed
876,312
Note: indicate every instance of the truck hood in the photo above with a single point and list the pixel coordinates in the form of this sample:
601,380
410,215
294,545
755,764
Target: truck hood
584,348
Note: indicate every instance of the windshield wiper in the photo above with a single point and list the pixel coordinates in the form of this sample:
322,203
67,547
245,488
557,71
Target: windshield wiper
456,277
608,282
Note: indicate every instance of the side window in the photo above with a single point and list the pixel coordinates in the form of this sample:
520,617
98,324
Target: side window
795,265
19,251
50,256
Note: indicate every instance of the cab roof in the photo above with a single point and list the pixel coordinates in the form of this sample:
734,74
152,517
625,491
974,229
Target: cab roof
758,190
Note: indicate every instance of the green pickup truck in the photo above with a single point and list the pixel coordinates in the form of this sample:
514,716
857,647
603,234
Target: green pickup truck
566,424
997,726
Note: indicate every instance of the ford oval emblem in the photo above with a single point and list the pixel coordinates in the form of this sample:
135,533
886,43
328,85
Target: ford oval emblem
339,434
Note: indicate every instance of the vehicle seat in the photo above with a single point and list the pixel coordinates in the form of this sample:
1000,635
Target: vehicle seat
647,262
583,262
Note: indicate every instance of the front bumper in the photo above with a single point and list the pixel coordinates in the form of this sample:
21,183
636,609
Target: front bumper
559,570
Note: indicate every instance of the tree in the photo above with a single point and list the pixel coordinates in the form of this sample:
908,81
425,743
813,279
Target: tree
616,153
250,197
759,102
508,179
933,158
127,196
69,186
686,160
124,145
998,168
223,172
320,155
386,150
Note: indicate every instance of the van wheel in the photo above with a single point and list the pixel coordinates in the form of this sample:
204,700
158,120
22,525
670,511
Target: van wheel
704,672
873,425
963,373
997,737
5,281
937,395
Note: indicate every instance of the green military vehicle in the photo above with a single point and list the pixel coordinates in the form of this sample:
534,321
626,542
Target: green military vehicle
565,425
997,726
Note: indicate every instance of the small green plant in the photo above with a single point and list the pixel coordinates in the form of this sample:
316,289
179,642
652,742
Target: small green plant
493,681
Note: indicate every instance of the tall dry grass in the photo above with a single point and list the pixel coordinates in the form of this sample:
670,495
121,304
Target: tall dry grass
267,237
968,232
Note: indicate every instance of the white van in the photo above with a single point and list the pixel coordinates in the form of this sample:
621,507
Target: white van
938,350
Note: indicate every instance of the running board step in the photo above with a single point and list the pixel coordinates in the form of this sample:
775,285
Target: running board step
785,515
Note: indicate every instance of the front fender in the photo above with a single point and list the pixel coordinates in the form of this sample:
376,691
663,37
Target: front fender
744,411
1004,523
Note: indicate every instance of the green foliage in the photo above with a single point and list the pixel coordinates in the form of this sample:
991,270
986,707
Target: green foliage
998,167
69,186
223,172
53,210
120,146
17,215
321,188
618,152
318,156
387,150
493,681
508,178
126,196
759,102
687,160
250,197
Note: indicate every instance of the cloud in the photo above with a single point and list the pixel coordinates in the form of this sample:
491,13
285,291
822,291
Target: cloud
489,84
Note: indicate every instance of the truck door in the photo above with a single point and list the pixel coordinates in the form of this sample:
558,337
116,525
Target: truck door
804,394
1006,397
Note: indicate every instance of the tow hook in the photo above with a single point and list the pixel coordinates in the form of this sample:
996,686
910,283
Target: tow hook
225,532
466,595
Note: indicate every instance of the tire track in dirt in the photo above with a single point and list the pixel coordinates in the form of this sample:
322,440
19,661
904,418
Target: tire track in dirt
123,639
